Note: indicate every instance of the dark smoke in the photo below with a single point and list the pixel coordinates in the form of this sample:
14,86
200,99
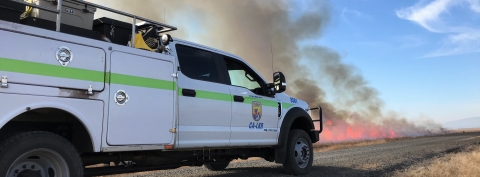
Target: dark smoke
250,29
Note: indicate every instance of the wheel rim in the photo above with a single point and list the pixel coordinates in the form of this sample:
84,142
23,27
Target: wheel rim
302,153
39,163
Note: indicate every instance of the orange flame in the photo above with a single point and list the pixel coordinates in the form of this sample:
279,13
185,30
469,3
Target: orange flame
329,122
339,130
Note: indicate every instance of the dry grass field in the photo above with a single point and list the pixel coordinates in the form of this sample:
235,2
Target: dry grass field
351,144
463,164
466,130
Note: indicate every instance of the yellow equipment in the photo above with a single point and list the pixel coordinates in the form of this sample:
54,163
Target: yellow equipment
27,12
140,43
147,38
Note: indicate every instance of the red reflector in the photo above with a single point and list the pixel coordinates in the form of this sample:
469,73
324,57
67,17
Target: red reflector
168,146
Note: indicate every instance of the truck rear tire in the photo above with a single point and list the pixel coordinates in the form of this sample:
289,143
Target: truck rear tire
299,156
218,165
39,153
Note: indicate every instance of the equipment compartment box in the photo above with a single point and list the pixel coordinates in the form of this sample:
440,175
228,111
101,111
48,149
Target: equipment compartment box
46,24
117,31
11,11
73,13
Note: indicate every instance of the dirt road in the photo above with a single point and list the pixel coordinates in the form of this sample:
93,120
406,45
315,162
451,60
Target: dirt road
374,160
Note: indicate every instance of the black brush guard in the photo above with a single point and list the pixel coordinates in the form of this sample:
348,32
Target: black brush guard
316,133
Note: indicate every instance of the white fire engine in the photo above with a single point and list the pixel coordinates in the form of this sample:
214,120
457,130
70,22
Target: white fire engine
76,92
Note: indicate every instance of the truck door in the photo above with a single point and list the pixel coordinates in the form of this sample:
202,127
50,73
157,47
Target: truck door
204,101
254,114
141,106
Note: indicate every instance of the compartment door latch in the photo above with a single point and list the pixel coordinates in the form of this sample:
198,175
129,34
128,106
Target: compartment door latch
90,90
4,82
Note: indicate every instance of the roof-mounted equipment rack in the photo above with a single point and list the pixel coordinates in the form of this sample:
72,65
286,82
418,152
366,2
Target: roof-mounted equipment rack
162,27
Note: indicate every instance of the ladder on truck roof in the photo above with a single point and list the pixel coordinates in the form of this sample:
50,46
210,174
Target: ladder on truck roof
58,11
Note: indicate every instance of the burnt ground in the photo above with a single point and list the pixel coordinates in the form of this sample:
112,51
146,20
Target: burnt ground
375,160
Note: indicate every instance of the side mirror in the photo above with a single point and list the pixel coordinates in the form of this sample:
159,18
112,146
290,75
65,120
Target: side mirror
279,83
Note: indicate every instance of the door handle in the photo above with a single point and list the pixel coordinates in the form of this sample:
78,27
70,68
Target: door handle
189,92
238,98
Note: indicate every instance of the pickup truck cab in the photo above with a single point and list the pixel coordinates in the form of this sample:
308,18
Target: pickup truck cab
68,102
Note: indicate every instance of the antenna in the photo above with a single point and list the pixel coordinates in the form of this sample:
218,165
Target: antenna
271,51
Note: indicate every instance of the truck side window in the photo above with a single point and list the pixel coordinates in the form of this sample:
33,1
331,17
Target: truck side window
241,75
197,64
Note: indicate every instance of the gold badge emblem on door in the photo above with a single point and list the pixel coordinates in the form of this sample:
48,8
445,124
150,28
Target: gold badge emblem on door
256,110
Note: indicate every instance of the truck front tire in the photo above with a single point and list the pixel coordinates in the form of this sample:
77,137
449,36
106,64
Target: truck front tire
39,154
299,156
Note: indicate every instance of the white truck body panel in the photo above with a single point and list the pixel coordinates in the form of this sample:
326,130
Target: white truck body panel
32,60
148,115
246,131
203,122
89,112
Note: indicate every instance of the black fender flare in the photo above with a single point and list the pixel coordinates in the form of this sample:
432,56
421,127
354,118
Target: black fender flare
291,116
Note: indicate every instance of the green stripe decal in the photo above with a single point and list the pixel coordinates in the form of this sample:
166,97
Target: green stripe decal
43,69
213,95
141,82
28,67
229,98
210,95
287,105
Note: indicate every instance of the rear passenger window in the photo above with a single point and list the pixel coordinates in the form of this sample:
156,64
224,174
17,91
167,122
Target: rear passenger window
197,64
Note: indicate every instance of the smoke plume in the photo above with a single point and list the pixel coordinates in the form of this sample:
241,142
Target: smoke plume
252,29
